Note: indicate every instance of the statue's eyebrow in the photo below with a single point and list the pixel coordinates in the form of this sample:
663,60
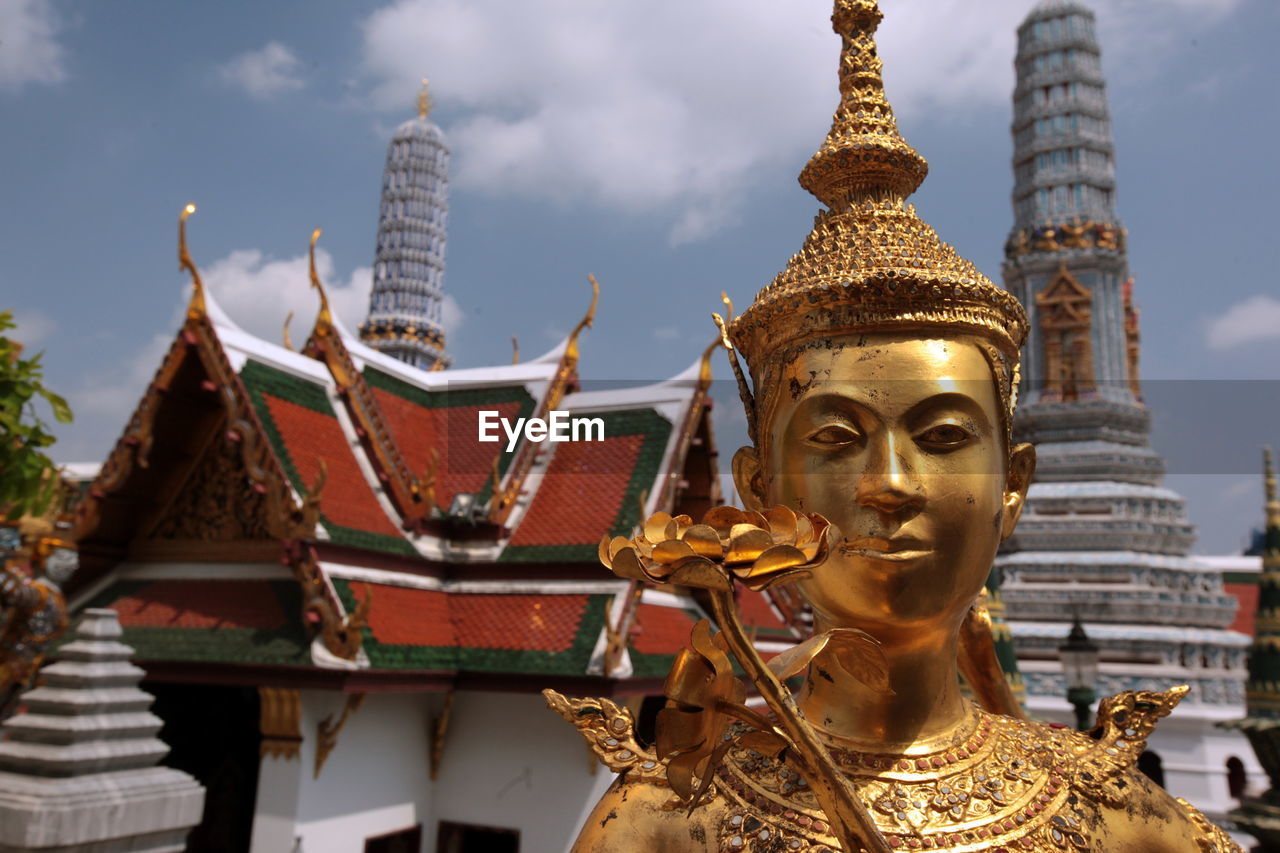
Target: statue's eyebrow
956,401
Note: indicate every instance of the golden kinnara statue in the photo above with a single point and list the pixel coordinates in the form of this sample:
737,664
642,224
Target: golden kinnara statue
881,481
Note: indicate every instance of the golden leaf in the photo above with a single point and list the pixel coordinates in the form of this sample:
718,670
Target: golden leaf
782,524
704,540
672,551
701,573
655,528
626,564
747,543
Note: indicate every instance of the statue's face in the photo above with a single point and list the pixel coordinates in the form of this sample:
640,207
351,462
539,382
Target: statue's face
898,442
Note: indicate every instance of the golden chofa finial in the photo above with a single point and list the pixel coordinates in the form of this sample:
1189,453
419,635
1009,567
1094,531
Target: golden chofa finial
424,100
196,307
324,320
864,157
571,351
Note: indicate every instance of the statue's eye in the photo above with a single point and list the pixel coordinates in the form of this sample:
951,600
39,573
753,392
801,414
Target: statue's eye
944,437
834,435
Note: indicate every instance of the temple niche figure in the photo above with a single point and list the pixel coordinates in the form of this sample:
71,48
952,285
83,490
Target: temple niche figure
884,370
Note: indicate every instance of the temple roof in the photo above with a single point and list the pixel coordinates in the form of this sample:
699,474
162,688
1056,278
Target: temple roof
273,508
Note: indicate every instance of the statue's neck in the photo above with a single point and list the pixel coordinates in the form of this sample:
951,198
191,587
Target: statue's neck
925,703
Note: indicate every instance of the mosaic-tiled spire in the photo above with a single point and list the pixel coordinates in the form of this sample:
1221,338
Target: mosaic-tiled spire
1063,154
1099,532
408,269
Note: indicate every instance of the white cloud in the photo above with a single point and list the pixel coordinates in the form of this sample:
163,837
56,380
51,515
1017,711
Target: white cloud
32,327
258,292
265,72
675,108
666,333
1255,319
29,50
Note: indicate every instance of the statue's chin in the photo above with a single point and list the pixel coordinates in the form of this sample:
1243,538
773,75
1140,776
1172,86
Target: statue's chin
915,593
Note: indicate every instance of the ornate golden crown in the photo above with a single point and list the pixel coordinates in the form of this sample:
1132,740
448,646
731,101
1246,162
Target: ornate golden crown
870,262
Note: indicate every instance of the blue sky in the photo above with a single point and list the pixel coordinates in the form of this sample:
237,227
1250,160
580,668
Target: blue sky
654,144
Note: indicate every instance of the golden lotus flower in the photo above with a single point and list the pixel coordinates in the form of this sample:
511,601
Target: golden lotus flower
759,550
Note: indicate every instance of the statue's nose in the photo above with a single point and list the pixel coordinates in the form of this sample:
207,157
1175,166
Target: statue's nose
889,484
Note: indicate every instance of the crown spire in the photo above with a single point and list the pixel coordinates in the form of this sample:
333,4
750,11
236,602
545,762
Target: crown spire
424,100
864,157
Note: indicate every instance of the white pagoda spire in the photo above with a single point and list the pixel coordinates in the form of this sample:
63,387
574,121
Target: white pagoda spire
408,269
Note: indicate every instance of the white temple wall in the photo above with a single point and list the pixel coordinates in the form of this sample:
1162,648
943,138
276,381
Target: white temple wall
510,762
375,781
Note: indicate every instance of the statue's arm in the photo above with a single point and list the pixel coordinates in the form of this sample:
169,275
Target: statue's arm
638,815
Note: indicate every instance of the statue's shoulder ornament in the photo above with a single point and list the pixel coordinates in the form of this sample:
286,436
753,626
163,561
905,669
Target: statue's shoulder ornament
609,731
1106,756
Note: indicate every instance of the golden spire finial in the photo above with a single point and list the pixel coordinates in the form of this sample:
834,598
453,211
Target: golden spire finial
571,351
196,307
424,100
864,157
515,350
325,318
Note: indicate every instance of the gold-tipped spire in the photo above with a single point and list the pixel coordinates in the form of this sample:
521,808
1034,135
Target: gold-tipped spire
424,100
325,318
864,156
571,351
196,307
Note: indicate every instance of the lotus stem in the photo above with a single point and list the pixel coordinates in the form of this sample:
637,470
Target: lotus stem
850,821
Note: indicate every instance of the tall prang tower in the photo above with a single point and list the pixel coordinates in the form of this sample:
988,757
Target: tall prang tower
1099,534
408,267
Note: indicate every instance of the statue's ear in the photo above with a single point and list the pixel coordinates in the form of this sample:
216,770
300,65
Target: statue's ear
746,476
1022,466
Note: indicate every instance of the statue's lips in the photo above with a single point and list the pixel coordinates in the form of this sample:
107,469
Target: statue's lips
900,549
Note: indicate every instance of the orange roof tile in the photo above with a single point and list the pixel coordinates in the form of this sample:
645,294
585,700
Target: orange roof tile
661,630
466,464
408,617
537,622
200,604
581,493
311,436
757,612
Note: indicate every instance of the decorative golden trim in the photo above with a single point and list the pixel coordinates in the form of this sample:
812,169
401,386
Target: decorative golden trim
327,730
609,731
439,730
424,100
286,518
504,501
325,344
196,308
342,635
1065,311
280,721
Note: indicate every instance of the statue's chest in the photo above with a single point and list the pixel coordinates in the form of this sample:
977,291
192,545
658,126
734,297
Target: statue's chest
1001,791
